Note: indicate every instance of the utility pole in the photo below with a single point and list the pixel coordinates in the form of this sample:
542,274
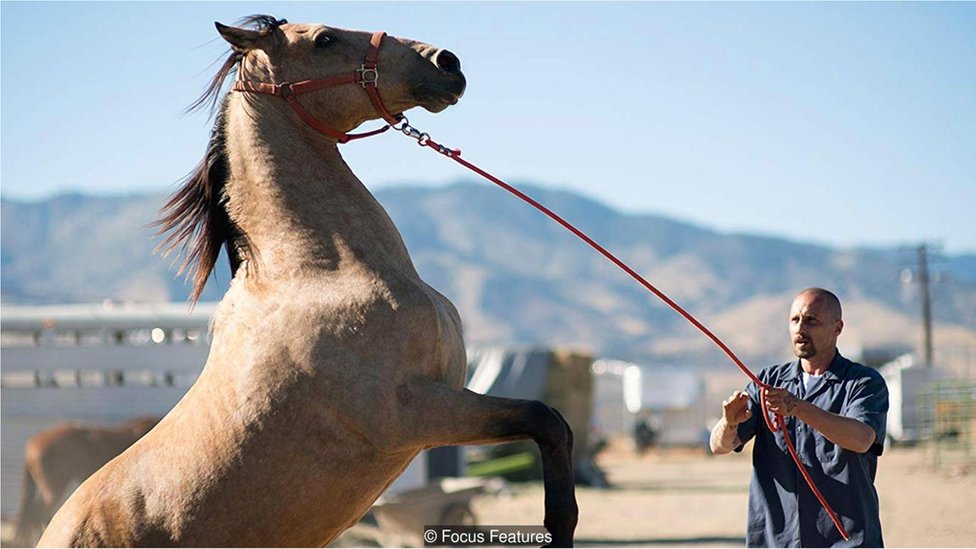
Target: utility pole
923,280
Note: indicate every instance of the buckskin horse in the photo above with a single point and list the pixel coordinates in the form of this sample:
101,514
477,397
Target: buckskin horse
61,457
332,363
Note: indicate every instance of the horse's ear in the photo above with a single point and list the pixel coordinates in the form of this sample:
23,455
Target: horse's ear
240,39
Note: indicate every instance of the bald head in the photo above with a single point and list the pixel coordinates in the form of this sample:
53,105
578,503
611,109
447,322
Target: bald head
825,298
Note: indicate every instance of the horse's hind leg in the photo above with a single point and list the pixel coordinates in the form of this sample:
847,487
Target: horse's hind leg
434,414
29,513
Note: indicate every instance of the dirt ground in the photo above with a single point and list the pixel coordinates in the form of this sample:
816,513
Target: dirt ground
685,498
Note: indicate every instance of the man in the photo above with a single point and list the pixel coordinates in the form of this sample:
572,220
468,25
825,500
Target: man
835,413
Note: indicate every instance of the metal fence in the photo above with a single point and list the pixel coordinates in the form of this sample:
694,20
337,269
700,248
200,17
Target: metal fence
947,413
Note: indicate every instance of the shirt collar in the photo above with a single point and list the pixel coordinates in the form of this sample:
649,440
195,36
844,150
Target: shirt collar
835,372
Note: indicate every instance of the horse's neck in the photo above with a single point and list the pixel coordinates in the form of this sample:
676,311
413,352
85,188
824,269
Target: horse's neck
299,204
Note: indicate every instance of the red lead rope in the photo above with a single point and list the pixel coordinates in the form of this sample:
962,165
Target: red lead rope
776,424
367,75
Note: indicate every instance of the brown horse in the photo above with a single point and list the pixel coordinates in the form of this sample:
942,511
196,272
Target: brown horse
332,363
64,456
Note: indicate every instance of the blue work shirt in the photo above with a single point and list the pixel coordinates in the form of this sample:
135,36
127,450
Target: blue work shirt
783,511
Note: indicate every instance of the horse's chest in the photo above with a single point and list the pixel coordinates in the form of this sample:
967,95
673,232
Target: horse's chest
410,329
345,342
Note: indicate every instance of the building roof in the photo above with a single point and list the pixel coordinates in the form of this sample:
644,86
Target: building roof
108,314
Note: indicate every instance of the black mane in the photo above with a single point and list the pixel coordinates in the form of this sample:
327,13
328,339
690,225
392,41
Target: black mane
196,216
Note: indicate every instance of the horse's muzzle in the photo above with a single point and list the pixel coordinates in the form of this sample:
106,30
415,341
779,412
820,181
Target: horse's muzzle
436,96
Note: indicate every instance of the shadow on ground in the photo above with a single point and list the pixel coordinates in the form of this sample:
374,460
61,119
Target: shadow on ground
668,542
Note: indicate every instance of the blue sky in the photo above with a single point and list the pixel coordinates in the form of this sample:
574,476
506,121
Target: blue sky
843,124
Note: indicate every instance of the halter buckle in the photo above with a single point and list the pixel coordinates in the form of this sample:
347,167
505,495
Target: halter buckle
368,75
285,90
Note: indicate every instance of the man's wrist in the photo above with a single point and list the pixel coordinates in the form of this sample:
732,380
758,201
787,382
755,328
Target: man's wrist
725,436
730,427
802,409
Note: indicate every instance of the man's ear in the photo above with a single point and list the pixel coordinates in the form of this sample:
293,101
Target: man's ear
241,39
840,327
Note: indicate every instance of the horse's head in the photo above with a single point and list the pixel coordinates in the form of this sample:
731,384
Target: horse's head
408,73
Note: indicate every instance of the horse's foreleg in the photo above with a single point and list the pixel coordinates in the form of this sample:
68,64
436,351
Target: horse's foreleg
434,414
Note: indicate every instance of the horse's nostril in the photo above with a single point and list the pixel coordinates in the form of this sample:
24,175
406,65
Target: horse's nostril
447,61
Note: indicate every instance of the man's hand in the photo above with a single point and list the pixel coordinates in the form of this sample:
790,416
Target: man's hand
782,402
735,409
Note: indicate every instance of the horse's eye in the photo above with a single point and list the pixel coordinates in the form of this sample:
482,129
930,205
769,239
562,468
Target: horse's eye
322,40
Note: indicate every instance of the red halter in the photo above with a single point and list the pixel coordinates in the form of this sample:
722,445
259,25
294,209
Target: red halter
366,75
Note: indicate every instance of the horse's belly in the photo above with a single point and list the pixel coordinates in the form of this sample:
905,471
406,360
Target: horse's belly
293,476
307,503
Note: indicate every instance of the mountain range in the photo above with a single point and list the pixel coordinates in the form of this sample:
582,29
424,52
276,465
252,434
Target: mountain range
519,279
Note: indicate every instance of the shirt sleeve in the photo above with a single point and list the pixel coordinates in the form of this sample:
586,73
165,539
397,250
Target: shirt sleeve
747,429
868,404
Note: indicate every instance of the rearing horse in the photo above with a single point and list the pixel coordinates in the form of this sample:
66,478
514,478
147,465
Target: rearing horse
332,363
